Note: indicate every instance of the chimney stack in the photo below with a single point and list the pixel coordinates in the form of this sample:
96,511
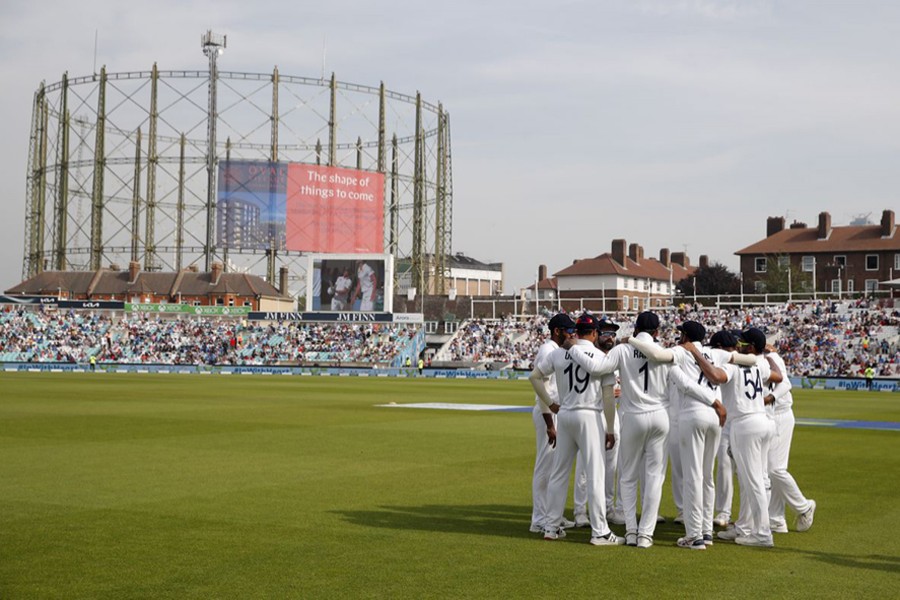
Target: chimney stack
215,273
636,253
774,225
664,257
283,281
824,226
618,251
134,269
680,258
704,261
887,223
542,272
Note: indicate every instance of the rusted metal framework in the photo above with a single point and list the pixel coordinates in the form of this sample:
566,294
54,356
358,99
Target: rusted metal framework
121,166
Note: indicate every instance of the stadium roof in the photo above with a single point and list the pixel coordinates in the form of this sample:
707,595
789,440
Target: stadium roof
106,282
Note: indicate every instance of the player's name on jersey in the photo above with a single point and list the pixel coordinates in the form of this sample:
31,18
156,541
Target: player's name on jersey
341,317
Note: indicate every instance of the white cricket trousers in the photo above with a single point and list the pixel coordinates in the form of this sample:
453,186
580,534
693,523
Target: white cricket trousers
580,491
643,448
784,488
750,437
673,452
579,431
724,473
543,461
699,433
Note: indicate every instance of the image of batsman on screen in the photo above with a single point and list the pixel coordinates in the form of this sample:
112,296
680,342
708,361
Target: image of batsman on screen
366,284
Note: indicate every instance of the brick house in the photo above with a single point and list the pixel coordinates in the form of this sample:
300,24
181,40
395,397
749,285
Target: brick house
851,258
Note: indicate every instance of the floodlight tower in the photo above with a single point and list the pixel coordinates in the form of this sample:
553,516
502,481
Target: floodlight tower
213,45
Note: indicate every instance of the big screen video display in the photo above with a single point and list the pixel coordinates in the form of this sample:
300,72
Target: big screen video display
293,206
350,283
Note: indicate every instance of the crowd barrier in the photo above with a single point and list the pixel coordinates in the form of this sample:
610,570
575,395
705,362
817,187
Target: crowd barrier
818,383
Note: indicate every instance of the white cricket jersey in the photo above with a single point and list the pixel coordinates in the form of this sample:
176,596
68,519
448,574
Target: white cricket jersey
543,352
342,288
782,391
745,389
644,382
577,388
366,276
683,401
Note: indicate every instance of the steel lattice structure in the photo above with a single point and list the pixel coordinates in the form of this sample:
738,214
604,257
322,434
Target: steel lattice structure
121,166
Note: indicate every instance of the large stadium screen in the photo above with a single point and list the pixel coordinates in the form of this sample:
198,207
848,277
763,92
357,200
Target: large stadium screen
307,208
350,283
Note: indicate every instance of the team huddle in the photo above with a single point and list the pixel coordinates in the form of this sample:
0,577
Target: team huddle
688,405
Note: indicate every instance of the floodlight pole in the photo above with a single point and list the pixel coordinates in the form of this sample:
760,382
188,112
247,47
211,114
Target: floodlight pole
213,45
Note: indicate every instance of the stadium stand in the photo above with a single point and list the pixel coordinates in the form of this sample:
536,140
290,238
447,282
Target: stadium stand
817,339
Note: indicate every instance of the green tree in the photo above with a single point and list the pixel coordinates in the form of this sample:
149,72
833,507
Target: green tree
710,281
782,277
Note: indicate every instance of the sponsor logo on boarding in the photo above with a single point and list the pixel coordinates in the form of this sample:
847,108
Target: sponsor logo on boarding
409,318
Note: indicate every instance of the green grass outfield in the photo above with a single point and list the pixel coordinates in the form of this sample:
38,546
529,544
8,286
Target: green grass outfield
188,486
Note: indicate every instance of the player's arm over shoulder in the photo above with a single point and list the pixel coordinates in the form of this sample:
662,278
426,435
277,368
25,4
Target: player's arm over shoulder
594,361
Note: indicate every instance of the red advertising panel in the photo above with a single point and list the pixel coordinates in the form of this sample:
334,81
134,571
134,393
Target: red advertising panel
334,210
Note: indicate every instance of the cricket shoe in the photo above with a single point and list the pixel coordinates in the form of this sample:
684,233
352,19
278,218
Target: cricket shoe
746,540
536,528
708,539
631,539
805,521
610,539
582,521
679,520
644,541
691,544
778,526
566,524
616,516
660,519
554,533
722,519
729,534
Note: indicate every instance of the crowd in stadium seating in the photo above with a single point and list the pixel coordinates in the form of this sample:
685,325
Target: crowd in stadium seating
69,336
816,339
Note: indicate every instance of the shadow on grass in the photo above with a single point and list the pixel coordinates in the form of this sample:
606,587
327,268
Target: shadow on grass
872,562
482,519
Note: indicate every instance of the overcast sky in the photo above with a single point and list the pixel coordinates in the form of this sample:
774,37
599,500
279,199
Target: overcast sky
670,123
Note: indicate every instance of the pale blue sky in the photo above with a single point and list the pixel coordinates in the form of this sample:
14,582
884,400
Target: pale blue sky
679,124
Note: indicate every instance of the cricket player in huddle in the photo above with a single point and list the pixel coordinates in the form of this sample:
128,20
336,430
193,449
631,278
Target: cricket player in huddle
742,394
701,415
784,487
579,429
645,425
562,327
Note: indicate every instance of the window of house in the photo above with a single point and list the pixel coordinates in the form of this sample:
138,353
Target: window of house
431,326
220,302
784,261
871,262
897,262
636,303
871,285
451,326
835,286
808,264
840,261
760,264
759,287
850,285
625,302
231,302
